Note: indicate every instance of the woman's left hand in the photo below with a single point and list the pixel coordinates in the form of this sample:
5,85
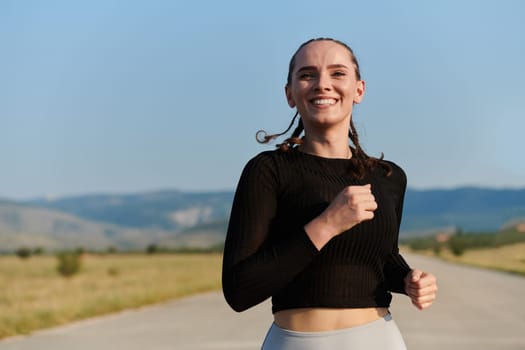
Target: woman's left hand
421,287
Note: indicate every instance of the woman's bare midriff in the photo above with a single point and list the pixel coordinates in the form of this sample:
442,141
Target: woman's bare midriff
322,319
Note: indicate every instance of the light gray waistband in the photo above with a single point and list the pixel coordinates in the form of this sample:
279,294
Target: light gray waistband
375,323
381,334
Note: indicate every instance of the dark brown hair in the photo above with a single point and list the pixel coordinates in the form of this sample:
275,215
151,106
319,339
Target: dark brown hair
363,163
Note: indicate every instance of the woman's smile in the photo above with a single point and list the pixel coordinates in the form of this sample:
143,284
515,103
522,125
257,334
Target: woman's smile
323,101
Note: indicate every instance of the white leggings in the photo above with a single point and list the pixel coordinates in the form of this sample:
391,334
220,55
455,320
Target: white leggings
382,334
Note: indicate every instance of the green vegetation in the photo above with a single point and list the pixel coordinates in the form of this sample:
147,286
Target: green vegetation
504,251
508,258
461,241
155,249
23,252
457,245
69,263
152,249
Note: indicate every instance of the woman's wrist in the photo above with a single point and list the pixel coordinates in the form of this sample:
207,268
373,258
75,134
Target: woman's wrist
319,231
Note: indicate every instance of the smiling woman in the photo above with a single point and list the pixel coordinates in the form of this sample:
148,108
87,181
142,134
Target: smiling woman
324,91
315,224
316,104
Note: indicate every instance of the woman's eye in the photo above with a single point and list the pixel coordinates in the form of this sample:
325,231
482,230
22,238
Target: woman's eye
306,76
339,74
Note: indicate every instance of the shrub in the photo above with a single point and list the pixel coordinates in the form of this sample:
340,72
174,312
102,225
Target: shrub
69,263
457,245
38,251
152,249
113,271
23,252
422,243
437,249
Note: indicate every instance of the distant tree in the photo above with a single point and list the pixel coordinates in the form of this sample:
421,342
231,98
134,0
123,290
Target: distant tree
457,245
152,249
423,243
23,252
69,263
38,251
111,250
437,249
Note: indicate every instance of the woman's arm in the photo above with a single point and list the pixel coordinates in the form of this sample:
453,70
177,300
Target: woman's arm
253,268
396,268
420,286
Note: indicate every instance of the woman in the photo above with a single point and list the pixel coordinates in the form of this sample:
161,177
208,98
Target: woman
315,224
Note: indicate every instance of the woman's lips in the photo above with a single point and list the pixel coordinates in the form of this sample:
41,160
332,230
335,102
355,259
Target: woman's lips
323,101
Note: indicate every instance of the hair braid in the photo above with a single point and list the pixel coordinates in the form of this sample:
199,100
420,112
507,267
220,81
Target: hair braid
263,137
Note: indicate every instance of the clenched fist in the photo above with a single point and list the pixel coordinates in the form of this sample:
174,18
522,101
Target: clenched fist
421,287
350,207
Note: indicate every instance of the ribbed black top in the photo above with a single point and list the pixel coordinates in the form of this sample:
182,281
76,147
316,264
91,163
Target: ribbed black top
268,254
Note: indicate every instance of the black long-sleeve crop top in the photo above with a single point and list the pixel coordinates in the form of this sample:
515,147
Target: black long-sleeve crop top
267,253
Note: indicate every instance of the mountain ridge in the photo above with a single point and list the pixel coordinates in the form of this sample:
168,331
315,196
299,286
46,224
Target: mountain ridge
179,218
171,210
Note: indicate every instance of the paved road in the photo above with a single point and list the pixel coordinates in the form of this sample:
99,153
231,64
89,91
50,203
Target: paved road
476,310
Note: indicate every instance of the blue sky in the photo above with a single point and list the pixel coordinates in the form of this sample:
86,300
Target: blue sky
131,96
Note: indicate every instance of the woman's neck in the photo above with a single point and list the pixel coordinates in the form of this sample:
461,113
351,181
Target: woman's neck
327,147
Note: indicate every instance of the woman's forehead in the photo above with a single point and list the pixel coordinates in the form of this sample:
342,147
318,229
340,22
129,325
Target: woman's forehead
324,51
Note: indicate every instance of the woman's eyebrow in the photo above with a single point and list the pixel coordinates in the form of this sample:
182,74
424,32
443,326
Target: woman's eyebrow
332,66
306,68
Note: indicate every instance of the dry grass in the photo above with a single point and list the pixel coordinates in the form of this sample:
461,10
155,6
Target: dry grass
34,296
509,258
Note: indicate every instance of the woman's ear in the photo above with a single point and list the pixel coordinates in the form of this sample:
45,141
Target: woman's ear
289,97
359,91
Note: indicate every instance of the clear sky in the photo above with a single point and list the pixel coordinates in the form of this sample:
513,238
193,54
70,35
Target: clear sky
128,96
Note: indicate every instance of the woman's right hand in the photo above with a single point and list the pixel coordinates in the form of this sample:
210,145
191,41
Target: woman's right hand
350,207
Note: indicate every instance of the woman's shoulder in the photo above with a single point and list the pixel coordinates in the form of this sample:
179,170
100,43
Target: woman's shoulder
265,168
276,163
271,157
397,176
396,169
263,158
265,161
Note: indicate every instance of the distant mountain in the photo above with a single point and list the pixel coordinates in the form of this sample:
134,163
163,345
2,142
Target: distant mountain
166,210
184,219
468,208
200,236
29,226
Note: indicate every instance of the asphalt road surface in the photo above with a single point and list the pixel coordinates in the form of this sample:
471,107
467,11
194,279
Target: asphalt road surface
475,310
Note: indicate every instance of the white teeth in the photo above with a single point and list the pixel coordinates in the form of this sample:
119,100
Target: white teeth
324,101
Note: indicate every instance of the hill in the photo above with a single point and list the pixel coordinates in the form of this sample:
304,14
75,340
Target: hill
166,210
472,209
468,208
25,225
200,236
190,219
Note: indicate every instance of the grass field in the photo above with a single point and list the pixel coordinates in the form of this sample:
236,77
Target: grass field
34,296
509,258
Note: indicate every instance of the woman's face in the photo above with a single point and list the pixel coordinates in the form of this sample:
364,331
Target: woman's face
324,85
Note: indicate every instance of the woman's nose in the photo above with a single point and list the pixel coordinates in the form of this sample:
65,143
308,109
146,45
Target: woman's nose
323,82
